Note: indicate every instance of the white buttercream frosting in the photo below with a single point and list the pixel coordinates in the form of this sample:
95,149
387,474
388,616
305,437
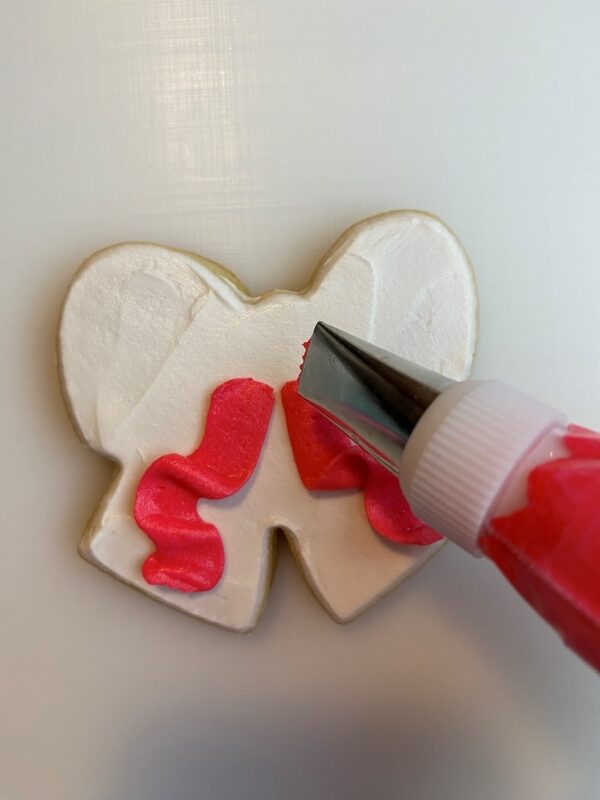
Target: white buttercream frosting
147,333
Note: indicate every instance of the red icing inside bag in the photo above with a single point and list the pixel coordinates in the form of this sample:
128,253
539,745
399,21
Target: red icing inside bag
189,552
550,550
328,460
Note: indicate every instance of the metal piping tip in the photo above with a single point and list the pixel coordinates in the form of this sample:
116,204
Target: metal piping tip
375,397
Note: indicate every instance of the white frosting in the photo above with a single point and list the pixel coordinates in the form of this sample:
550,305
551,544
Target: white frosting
147,333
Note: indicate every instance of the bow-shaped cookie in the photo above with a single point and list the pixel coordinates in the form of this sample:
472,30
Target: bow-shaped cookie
148,334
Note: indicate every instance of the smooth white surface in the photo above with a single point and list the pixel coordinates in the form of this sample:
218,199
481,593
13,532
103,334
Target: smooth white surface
253,132
148,333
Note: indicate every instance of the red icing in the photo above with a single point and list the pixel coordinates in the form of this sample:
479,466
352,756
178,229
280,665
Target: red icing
305,345
328,460
189,552
550,550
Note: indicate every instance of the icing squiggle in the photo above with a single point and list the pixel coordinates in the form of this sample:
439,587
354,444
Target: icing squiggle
189,553
328,460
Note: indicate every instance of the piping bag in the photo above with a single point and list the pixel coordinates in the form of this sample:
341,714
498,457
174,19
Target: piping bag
494,470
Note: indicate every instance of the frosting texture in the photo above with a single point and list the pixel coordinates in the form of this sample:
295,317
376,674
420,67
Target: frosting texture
189,552
327,460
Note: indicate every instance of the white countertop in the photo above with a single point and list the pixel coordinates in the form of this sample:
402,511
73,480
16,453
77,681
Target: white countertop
254,132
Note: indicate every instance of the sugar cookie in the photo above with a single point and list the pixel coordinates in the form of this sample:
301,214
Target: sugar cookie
153,340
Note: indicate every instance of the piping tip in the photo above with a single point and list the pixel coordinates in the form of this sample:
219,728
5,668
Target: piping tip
375,397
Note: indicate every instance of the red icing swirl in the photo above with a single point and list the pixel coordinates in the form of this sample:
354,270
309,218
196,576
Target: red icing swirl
328,460
189,552
550,550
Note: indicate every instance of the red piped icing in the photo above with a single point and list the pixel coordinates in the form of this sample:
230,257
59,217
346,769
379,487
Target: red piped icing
305,345
550,550
328,460
189,552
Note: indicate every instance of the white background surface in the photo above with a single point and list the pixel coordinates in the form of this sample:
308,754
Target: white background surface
255,132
